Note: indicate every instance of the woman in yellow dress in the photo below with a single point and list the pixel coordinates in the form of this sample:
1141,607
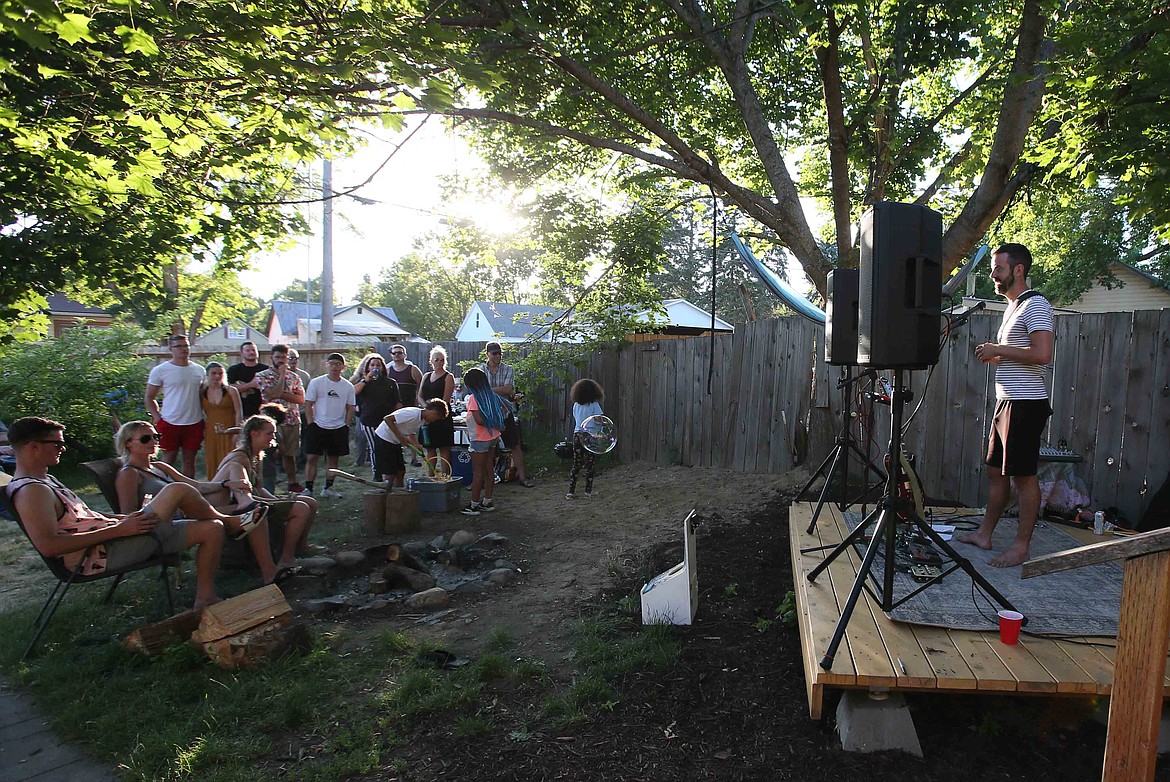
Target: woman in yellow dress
221,408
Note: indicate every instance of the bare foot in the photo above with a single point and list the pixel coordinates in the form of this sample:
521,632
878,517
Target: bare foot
1016,555
975,539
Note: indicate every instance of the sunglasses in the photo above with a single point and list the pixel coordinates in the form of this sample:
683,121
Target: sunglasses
397,353
146,438
494,352
60,444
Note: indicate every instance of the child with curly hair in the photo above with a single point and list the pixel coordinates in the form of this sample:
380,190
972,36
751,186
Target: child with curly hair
587,396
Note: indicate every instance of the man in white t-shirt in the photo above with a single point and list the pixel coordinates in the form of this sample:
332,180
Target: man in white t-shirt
329,404
1021,353
402,426
179,421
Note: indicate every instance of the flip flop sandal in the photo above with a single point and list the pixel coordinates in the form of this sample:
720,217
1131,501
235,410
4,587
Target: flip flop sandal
251,519
284,574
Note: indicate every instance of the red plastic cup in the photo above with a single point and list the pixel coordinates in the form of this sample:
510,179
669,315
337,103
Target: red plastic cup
1010,623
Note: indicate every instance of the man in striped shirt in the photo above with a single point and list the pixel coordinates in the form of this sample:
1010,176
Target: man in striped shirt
1021,354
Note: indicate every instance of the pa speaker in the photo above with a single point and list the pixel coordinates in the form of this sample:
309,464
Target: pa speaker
841,317
900,287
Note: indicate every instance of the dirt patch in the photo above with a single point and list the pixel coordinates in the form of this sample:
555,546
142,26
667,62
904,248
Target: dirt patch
570,550
734,706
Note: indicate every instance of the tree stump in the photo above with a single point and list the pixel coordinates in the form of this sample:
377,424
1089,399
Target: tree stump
402,513
374,512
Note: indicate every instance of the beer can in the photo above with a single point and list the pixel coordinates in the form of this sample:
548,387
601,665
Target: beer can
1099,523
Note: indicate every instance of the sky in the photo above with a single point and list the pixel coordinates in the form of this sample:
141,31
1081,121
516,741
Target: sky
405,176
368,238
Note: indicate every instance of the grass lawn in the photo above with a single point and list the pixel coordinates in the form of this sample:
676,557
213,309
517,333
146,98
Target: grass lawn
343,709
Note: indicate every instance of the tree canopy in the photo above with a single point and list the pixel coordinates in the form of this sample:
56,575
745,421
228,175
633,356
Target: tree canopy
139,136
884,101
136,136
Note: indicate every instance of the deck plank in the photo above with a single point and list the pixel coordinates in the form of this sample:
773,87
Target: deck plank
912,669
951,670
875,649
990,673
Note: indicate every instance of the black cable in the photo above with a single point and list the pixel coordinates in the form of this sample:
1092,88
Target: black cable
714,259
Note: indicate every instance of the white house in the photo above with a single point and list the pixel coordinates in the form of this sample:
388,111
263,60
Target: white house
488,320
229,336
683,318
1138,291
299,323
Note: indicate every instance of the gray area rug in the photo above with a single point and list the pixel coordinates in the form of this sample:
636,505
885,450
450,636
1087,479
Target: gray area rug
1085,601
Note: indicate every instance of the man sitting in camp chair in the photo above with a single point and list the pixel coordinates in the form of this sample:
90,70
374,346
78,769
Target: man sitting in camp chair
60,524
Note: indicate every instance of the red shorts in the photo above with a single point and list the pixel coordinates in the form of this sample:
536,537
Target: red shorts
176,438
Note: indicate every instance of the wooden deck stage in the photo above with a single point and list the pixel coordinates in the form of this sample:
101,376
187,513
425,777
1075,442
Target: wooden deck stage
880,654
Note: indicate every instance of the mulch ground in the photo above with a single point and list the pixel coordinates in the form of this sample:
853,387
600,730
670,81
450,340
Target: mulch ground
734,706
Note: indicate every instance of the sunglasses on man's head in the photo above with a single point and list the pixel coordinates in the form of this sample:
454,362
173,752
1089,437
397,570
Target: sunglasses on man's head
146,438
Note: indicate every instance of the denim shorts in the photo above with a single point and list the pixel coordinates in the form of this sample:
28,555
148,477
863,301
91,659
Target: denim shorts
481,446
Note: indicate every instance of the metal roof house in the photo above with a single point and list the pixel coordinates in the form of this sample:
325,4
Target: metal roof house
299,323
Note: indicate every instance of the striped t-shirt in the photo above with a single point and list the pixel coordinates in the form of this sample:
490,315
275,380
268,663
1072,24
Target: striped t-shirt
1014,380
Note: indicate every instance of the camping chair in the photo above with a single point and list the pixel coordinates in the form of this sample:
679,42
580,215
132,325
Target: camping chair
68,577
105,473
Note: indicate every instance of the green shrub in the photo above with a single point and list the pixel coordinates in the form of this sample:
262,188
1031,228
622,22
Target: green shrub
79,379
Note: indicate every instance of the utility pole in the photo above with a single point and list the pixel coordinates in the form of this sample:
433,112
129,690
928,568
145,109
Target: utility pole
326,335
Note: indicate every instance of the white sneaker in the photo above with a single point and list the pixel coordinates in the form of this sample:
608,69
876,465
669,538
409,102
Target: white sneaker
331,493
570,496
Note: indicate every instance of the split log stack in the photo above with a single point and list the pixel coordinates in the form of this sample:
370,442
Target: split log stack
245,630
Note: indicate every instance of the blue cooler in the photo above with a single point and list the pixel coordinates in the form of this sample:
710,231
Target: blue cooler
461,464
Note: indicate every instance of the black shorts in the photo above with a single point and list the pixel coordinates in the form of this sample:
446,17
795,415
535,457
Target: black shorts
333,442
511,434
388,457
438,434
1013,446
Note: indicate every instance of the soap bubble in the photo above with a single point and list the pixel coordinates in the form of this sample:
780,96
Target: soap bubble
597,434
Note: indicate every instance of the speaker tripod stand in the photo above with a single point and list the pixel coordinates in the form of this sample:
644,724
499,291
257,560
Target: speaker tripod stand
837,461
884,519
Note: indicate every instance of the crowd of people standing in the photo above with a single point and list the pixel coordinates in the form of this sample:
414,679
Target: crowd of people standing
191,407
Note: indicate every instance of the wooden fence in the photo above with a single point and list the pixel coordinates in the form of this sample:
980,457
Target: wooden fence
768,402
762,400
